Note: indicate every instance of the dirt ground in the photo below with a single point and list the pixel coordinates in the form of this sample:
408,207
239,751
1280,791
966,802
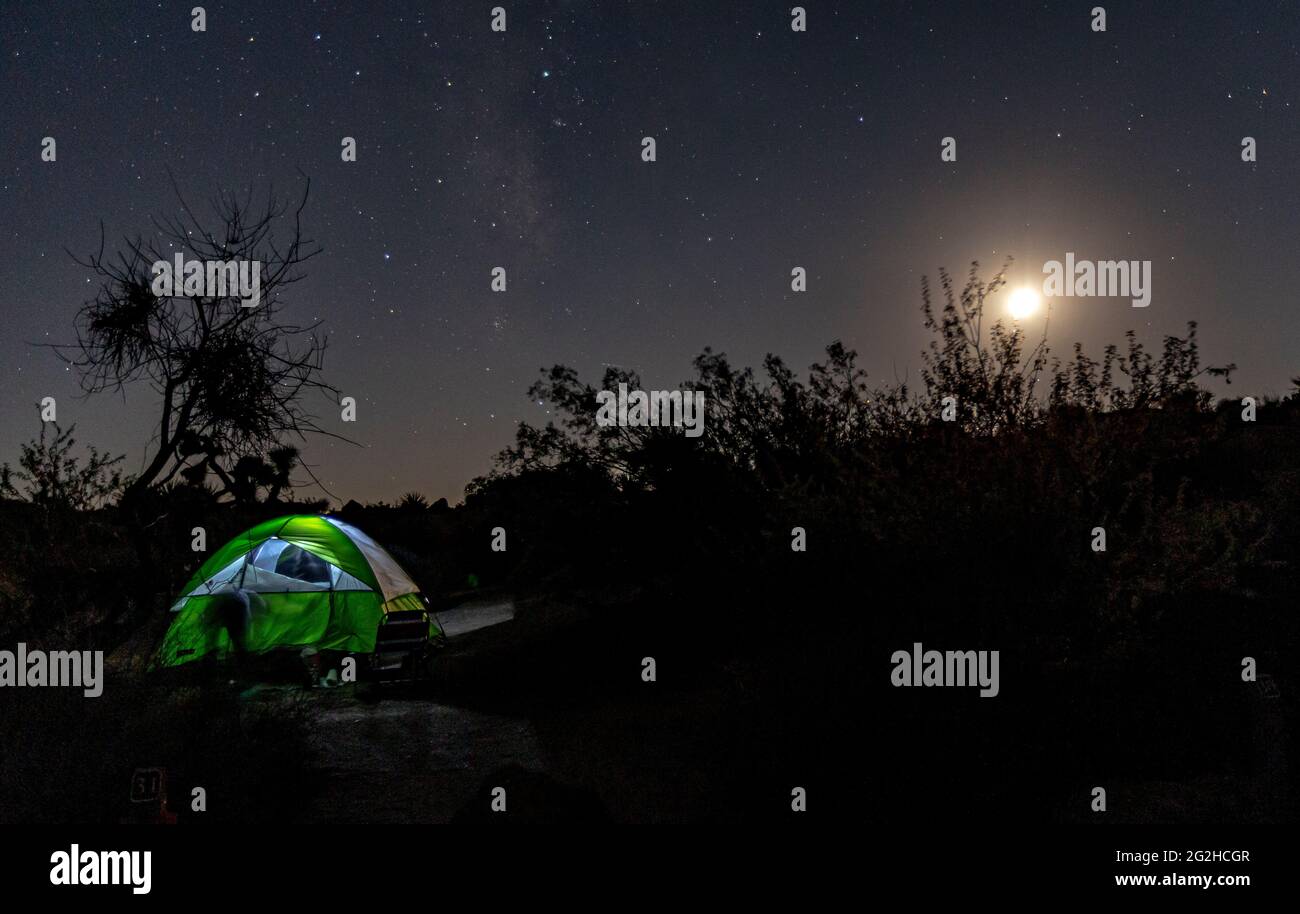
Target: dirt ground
429,753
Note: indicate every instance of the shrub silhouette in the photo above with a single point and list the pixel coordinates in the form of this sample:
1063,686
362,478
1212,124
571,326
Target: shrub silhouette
971,533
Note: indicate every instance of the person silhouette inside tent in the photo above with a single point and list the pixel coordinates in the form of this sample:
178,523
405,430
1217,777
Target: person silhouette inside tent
234,609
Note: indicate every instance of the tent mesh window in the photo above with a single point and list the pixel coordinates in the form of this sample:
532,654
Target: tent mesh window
290,561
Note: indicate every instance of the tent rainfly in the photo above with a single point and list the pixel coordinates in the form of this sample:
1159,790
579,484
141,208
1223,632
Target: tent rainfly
308,581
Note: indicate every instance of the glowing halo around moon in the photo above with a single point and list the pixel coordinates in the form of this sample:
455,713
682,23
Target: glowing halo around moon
1024,302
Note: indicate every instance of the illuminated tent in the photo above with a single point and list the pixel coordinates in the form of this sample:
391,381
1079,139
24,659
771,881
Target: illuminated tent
306,580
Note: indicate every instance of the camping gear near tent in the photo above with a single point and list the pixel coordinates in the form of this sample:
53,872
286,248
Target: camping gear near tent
308,580
402,646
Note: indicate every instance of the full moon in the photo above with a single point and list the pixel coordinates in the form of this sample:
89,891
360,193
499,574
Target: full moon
1023,302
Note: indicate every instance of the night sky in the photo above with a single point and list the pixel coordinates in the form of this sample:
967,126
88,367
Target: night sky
775,149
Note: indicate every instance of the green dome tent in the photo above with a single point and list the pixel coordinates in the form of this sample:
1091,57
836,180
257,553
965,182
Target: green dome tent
309,581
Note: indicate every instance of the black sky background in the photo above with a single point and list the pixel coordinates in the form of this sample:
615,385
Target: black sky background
775,149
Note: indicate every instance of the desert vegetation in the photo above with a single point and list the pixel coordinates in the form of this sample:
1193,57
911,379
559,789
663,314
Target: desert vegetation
961,513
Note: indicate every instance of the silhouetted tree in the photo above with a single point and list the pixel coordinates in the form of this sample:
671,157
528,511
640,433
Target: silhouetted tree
230,379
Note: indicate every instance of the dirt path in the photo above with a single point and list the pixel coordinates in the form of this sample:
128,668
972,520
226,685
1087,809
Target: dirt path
397,753
474,615
409,760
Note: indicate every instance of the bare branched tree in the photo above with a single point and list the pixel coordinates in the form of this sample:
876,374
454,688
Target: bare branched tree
230,379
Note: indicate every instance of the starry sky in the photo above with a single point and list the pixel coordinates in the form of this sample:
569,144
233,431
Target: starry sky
522,149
